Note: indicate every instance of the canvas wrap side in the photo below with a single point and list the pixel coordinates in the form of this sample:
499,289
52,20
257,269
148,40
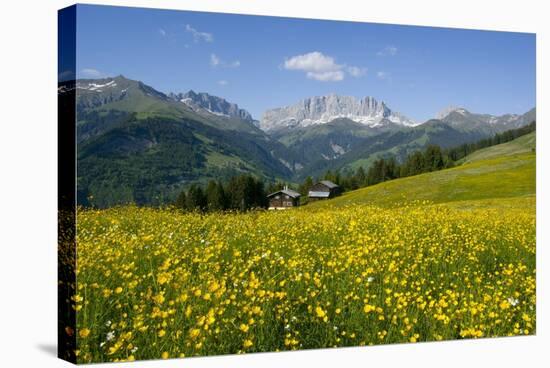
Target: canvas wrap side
66,266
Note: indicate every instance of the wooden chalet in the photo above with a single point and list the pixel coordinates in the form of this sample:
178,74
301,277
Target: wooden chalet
283,199
324,189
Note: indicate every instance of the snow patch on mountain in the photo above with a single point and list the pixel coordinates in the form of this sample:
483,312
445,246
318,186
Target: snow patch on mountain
91,86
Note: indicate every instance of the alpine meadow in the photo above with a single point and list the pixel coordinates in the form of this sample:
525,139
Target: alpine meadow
202,228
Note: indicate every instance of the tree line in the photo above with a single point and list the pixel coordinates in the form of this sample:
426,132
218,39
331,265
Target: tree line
241,193
245,192
464,150
431,158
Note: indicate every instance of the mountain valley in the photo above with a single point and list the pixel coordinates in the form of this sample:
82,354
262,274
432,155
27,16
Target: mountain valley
136,144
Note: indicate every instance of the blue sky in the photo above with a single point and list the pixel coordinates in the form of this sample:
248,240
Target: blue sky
265,62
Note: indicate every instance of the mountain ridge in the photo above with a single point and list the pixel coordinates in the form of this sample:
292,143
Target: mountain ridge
463,118
214,104
323,109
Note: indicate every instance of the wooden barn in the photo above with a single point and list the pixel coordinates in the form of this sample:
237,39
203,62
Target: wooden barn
324,189
283,199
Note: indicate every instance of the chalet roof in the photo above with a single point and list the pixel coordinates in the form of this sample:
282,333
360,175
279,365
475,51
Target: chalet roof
316,194
329,184
288,192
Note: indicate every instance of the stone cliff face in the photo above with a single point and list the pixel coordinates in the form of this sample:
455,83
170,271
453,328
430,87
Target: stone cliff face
213,104
324,109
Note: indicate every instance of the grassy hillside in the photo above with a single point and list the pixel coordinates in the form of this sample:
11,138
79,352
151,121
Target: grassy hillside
502,171
137,145
149,161
521,145
391,143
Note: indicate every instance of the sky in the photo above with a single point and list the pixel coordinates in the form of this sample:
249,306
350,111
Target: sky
263,62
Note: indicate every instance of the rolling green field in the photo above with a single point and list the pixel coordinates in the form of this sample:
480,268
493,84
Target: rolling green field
439,256
502,171
519,146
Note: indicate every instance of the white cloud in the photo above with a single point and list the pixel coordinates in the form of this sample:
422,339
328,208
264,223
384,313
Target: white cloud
215,62
223,82
91,73
383,75
389,50
314,62
199,36
322,67
162,32
356,71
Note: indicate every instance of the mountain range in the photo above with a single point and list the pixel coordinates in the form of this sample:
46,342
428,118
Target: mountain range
137,144
324,109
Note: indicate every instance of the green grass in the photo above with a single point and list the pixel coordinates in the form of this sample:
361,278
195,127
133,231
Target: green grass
521,145
502,171
219,160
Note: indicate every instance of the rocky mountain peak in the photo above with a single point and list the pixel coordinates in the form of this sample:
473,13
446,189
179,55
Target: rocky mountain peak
450,109
213,104
324,109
